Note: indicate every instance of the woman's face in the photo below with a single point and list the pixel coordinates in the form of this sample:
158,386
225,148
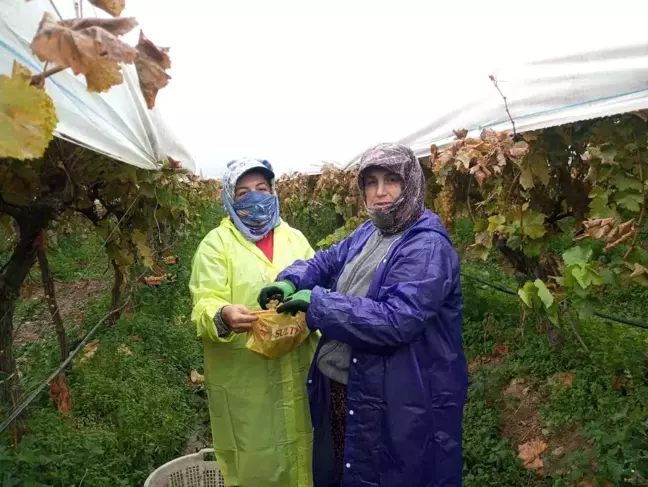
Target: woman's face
253,181
381,187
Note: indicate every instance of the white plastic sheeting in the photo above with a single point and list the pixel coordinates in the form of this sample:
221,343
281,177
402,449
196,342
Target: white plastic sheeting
544,93
117,123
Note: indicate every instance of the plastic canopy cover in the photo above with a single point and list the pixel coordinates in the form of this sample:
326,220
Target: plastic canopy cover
544,93
117,123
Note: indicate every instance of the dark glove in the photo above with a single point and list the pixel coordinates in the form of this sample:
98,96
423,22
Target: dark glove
297,302
279,290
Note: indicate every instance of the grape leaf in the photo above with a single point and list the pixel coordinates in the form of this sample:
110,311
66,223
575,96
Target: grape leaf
599,207
496,223
103,75
196,378
526,177
113,7
141,242
527,292
606,155
138,237
623,182
544,294
147,255
90,350
21,71
483,243
533,248
480,226
597,191
151,63
585,275
123,258
629,200
530,453
81,43
577,255
514,242
27,119
540,168
6,226
533,226
638,270
59,392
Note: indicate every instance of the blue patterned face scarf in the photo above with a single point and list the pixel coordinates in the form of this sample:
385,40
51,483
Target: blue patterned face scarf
256,214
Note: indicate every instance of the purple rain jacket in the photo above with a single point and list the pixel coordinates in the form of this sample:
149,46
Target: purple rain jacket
408,374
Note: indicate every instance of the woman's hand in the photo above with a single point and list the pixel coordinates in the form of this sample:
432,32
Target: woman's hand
297,302
279,290
238,318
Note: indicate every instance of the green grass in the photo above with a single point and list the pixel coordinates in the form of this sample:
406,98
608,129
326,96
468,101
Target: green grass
607,403
134,406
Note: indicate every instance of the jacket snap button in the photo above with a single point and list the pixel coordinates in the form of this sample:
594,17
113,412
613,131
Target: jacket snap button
355,360
351,412
348,465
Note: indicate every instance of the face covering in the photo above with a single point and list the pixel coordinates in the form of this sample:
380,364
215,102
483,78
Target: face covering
409,206
256,214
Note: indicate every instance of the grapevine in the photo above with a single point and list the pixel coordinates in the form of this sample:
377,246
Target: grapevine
582,184
47,183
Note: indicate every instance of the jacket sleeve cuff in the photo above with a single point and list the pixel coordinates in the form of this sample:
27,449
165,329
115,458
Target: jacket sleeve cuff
314,313
221,327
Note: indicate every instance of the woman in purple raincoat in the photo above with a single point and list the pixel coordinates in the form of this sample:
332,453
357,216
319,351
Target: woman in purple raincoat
388,382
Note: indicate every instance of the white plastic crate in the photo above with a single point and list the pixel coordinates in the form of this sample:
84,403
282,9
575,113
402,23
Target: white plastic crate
188,471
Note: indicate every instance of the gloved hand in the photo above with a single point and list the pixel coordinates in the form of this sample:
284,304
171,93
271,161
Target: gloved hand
279,290
297,302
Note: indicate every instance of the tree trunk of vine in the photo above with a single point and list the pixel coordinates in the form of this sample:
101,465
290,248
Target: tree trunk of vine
11,279
528,266
50,296
116,293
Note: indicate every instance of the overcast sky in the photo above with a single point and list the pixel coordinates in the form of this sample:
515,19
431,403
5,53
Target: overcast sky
300,82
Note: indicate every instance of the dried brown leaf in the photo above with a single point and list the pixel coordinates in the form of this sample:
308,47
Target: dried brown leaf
530,453
81,43
519,149
501,350
197,378
639,270
113,7
60,393
564,379
89,350
624,232
480,176
151,63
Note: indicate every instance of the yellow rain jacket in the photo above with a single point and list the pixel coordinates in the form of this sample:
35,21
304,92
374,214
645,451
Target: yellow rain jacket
260,420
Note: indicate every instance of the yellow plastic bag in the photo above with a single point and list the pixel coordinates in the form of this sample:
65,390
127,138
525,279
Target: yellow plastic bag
274,334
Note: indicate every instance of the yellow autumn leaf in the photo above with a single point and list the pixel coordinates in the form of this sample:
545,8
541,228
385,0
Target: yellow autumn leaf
19,70
113,7
103,75
89,350
27,119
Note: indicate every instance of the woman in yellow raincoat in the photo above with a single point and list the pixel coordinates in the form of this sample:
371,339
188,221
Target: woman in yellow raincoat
258,408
